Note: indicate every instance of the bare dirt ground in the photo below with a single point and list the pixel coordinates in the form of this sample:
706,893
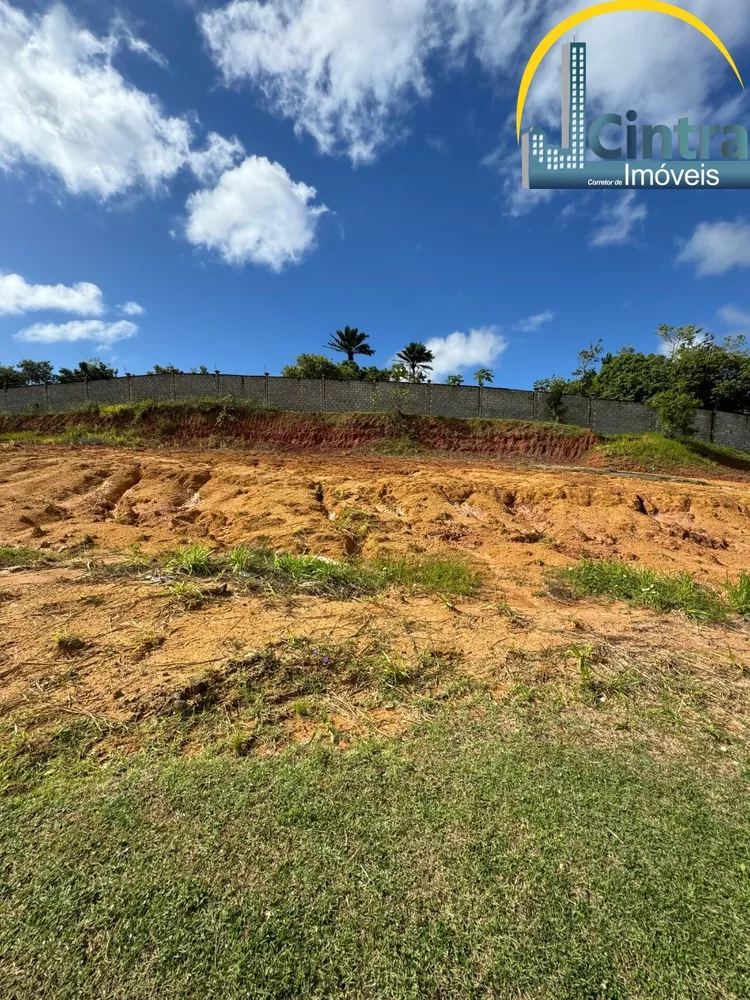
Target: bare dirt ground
517,523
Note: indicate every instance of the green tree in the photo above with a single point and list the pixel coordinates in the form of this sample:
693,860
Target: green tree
350,342
679,338
454,380
556,389
315,366
375,374
95,370
36,372
418,360
631,375
676,412
165,370
588,359
10,377
484,376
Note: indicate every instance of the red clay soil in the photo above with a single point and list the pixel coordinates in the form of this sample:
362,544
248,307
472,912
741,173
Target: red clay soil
321,432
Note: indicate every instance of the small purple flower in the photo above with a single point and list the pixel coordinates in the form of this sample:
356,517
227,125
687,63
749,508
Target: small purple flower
326,659
315,652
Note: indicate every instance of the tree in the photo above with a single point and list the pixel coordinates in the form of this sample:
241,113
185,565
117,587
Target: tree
10,377
200,370
418,360
95,370
454,380
676,412
556,390
312,366
678,338
320,366
36,372
483,376
350,342
631,375
166,370
588,358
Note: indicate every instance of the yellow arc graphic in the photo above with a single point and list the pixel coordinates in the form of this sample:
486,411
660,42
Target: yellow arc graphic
610,7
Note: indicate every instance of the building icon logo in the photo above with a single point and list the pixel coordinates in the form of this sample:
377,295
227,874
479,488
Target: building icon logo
542,157
611,152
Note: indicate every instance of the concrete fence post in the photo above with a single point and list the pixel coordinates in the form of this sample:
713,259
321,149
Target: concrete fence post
5,388
481,400
323,392
86,383
267,395
591,415
218,383
174,386
130,389
712,426
46,396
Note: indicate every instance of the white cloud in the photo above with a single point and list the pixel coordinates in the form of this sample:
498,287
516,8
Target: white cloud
617,222
256,213
479,347
67,110
532,323
219,155
105,334
121,30
132,309
717,247
346,73
734,317
17,297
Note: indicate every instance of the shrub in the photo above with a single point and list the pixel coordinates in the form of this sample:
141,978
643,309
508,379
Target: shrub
676,412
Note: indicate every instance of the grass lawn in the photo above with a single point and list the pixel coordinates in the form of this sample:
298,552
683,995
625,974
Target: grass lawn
472,858
654,453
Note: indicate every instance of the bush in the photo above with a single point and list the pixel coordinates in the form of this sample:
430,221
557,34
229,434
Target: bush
676,412
555,402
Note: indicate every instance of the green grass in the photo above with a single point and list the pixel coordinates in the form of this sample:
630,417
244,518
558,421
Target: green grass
22,555
464,861
80,435
738,594
431,573
655,453
646,588
306,572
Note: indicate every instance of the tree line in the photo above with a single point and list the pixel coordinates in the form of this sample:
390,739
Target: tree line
413,364
30,372
692,370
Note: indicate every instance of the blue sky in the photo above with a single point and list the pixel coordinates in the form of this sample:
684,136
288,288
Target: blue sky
228,184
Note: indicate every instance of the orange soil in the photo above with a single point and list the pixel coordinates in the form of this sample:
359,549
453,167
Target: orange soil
515,522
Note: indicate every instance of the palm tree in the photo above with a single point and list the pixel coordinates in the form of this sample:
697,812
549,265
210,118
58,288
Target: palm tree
483,375
350,341
417,358
454,380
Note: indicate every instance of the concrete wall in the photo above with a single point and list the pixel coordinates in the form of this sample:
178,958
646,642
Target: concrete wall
605,416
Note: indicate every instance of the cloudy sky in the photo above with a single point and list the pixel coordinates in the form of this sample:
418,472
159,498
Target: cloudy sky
190,182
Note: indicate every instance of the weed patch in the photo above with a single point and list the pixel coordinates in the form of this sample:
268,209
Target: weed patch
23,556
654,453
661,592
314,574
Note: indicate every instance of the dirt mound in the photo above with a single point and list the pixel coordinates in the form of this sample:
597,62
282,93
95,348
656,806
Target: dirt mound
140,645
336,507
214,424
